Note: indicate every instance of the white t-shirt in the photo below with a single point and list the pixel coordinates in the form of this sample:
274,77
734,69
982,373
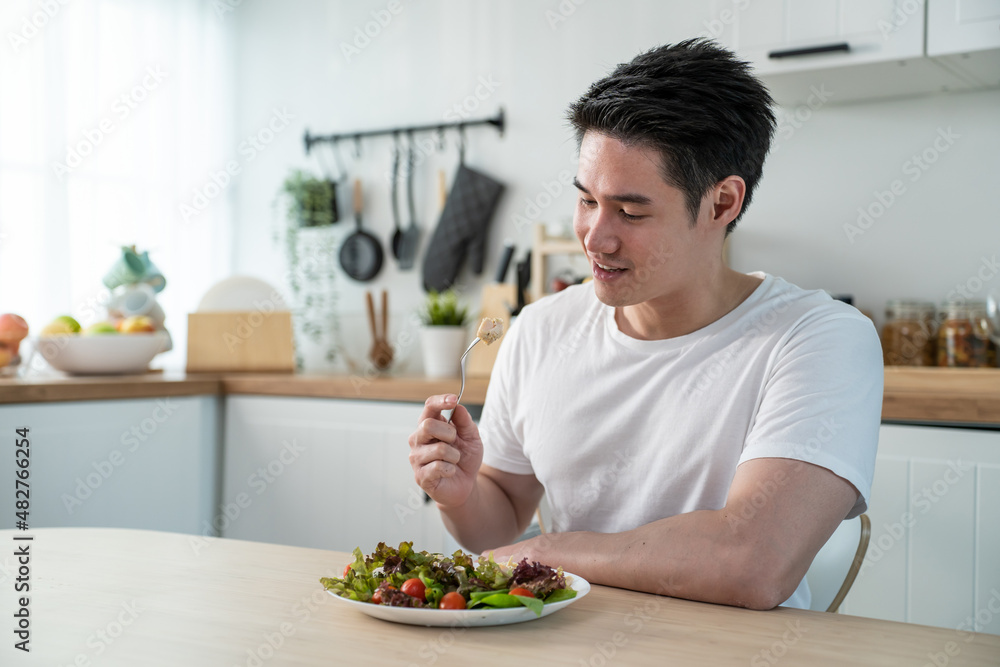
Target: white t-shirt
622,432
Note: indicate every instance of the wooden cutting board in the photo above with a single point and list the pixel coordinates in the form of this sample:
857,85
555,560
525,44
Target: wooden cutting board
496,301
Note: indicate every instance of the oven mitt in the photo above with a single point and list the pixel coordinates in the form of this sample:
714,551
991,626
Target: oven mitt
462,229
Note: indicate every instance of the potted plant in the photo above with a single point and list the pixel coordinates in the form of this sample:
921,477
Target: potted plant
310,244
443,335
311,201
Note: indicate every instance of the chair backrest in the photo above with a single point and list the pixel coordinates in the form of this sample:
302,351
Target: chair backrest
835,567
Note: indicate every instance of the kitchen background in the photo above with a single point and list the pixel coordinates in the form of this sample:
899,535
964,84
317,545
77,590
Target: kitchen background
229,81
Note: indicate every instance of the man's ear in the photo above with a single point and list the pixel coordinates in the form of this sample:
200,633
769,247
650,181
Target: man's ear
727,200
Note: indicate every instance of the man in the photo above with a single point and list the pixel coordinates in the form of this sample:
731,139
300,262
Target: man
698,432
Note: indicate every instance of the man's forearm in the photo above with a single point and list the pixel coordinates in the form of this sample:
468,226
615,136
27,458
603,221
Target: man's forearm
486,519
697,556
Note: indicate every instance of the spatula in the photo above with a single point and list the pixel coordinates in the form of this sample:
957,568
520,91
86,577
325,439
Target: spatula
411,237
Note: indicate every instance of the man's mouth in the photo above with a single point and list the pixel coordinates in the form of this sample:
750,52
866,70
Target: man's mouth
609,268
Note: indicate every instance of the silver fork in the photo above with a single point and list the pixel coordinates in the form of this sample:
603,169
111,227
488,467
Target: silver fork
462,390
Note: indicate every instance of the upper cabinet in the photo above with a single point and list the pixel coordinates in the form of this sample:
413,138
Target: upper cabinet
863,49
964,35
796,35
961,26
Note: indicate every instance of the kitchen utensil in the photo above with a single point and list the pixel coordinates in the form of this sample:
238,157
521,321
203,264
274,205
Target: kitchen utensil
462,390
361,253
523,280
462,229
397,235
381,352
442,189
505,257
411,237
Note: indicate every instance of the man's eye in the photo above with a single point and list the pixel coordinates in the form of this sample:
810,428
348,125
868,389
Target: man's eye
628,216
587,202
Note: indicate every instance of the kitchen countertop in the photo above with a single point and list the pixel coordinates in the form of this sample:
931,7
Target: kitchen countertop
934,395
379,388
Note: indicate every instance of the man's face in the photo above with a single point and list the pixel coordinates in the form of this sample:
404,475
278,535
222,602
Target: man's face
636,228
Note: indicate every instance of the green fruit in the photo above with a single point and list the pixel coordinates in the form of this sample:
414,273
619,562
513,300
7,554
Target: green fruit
99,329
62,325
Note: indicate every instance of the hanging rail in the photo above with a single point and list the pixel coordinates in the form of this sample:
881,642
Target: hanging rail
497,122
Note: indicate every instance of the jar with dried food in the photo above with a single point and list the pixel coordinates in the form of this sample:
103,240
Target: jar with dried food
909,334
964,336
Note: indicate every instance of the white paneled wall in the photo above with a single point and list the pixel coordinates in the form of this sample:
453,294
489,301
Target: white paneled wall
324,474
934,557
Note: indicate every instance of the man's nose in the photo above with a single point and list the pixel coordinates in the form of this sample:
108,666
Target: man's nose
601,237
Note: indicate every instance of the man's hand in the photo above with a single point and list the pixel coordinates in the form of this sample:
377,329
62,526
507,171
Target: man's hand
446,456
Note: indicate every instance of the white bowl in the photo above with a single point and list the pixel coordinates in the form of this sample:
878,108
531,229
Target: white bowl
102,354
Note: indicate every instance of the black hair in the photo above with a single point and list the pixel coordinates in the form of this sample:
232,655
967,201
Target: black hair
693,102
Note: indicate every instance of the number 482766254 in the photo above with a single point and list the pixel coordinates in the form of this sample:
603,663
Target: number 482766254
22,490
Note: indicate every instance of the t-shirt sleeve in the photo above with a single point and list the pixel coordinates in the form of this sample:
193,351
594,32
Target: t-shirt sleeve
503,441
822,403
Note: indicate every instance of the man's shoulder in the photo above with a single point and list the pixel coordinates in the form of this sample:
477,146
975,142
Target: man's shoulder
797,305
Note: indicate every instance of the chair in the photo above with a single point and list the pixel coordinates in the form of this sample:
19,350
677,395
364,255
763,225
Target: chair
837,564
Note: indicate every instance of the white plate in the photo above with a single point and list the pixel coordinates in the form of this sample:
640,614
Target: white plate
241,293
469,618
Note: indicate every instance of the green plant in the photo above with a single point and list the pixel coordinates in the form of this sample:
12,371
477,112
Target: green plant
311,201
443,309
310,244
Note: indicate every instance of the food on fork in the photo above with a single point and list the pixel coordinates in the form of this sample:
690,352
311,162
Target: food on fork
490,330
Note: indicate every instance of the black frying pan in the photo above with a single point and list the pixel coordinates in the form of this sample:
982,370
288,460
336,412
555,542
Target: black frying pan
361,253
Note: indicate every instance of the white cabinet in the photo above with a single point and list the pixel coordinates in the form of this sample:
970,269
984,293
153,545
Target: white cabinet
934,557
780,36
330,474
964,37
961,26
830,51
141,463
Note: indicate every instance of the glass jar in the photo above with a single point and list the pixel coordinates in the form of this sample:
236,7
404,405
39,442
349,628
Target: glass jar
964,336
909,335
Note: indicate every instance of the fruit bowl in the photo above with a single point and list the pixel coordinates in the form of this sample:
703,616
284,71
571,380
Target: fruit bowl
112,354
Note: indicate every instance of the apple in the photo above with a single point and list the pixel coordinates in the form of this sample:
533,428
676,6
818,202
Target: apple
13,329
99,329
61,326
137,324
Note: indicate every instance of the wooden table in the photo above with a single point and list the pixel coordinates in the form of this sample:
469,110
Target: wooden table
142,598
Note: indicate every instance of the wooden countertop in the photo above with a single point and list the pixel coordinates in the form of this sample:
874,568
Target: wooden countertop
935,395
948,395
415,389
130,597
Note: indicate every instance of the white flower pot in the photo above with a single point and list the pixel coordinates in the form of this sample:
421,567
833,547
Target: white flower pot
442,347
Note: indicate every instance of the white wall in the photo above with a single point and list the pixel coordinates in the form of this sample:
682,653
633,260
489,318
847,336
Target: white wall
433,55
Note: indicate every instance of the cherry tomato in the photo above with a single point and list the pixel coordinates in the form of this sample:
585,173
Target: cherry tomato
452,600
377,595
522,591
347,568
415,589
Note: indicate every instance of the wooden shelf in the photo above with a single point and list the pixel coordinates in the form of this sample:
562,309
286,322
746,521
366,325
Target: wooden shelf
544,247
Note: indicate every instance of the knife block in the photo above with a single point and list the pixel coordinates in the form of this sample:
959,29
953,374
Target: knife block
251,341
496,301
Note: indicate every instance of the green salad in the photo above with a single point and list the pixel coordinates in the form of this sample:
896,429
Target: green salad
406,578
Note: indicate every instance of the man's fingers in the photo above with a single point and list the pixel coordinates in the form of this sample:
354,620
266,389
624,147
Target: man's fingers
433,472
435,405
426,454
462,421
